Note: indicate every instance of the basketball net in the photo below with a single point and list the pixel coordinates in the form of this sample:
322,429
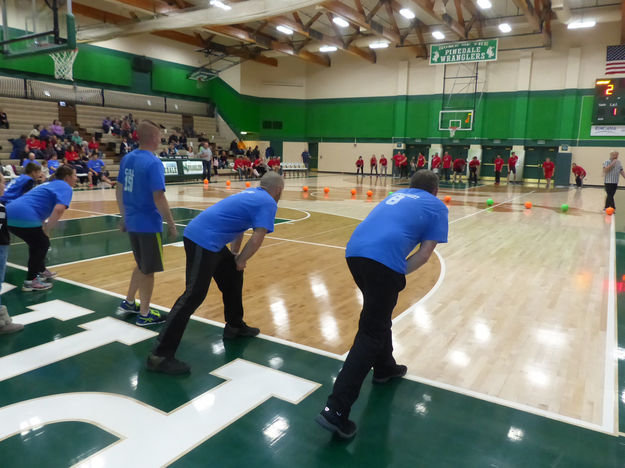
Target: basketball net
64,64
452,131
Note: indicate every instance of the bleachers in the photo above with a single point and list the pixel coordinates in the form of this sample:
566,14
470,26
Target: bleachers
293,168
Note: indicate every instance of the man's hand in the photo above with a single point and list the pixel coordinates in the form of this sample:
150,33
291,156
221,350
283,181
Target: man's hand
241,264
172,232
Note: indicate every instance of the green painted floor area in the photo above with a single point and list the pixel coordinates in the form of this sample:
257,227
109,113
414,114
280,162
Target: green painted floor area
401,424
99,236
619,219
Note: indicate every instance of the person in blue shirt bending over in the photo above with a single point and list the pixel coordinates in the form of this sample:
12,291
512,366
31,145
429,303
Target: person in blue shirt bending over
205,244
32,216
96,171
22,184
142,204
376,256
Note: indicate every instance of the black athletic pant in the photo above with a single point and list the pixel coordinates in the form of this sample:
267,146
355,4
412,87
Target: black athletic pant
446,172
359,170
373,345
473,174
202,265
578,181
38,245
497,176
610,190
206,169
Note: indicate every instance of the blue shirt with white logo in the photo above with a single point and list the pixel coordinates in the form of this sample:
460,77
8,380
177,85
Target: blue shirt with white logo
141,174
221,223
17,188
96,165
34,207
397,225
34,161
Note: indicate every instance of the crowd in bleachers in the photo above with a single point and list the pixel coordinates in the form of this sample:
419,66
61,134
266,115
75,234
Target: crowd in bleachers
53,145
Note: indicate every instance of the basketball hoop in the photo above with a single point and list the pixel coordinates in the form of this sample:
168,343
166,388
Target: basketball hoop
452,131
64,63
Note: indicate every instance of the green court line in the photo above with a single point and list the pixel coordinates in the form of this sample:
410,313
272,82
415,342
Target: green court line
402,424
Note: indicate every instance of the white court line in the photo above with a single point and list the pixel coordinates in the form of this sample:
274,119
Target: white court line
305,242
494,206
432,383
610,389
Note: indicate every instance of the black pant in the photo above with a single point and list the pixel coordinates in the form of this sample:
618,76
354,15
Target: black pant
403,171
578,181
446,172
497,176
376,170
202,265
473,174
206,169
610,190
360,170
38,245
373,345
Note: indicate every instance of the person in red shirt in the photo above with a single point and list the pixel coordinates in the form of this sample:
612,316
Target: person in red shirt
360,164
474,165
383,165
373,163
420,162
579,173
446,165
71,154
396,164
93,144
436,162
548,168
498,162
403,166
512,160
239,166
459,168
247,167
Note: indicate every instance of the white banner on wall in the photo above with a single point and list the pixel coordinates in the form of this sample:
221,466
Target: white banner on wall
607,130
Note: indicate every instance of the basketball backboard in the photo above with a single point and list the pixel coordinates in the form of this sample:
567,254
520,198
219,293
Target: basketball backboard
460,120
31,27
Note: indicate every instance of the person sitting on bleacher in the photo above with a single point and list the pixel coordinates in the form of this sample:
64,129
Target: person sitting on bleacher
124,147
44,134
247,164
71,155
93,145
4,120
239,166
96,171
76,138
106,124
57,129
53,164
172,151
19,147
259,166
35,131
274,164
22,184
240,147
30,160
116,127
36,146
45,171
69,130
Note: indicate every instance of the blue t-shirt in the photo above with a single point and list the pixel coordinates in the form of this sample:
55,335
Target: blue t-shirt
34,207
141,174
397,225
96,165
17,188
34,161
221,223
53,165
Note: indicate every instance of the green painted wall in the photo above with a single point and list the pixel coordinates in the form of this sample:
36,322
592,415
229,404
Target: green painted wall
559,116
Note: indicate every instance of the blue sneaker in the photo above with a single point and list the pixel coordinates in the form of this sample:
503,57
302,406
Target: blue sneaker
126,308
154,317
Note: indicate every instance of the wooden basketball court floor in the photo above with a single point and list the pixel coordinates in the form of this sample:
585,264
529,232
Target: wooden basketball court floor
509,332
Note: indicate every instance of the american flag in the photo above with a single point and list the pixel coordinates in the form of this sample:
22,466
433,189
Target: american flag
615,60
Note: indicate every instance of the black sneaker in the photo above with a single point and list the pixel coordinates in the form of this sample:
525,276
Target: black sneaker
337,423
166,365
397,372
231,332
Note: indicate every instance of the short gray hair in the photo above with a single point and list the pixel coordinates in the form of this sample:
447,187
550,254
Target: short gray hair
271,181
425,180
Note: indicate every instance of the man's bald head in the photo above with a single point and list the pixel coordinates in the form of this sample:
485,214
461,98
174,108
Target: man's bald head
149,135
273,183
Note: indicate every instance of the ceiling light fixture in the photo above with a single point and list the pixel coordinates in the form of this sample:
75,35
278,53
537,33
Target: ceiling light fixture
328,48
505,28
378,45
438,35
484,4
340,22
579,24
284,30
407,13
219,4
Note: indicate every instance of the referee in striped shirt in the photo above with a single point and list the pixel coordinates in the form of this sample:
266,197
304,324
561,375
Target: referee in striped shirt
612,168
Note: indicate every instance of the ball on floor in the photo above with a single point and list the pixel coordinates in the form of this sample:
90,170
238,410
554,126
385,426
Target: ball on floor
447,198
490,202
228,183
564,208
528,204
369,193
326,190
353,191
609,211
305,188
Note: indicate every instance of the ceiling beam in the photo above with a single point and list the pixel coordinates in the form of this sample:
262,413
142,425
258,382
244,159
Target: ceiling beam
530,14
359,7
100,15
268,43
153,6
235,51
459,14
374,10
354,17
312,20
477,19
428,7
391,16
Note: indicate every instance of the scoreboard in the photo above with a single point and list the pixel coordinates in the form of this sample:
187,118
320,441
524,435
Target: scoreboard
609,102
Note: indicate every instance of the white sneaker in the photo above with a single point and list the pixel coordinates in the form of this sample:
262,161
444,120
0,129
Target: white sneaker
35,285
47,274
